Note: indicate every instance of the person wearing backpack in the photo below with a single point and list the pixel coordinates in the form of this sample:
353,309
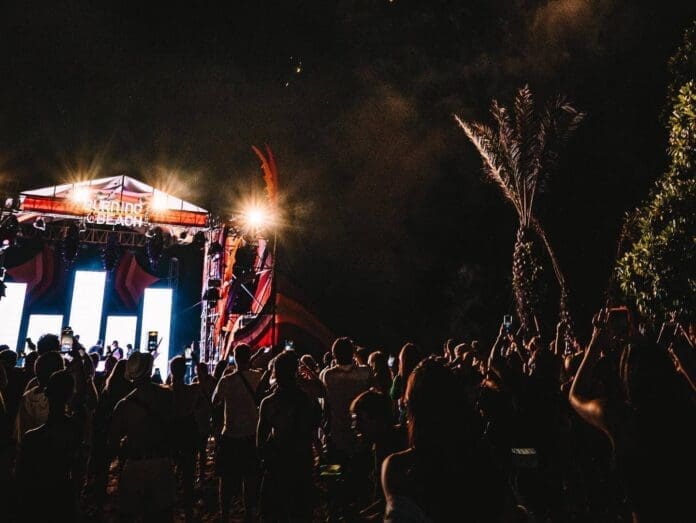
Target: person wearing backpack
236,461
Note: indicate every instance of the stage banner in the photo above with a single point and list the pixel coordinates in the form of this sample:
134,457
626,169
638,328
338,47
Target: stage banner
39,273
131,280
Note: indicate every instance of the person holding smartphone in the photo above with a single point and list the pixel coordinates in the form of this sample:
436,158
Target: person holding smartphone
652,427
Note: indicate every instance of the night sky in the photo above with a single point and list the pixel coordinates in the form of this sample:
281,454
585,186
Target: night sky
391,229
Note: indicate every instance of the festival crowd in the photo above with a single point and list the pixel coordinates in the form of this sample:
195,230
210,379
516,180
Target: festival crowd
526,430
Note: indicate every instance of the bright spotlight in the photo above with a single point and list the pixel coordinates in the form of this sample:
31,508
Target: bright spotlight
255,217
159,201
81,194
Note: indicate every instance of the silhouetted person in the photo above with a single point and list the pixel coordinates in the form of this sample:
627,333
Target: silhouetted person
373,423
652,426
343,383
236,461
188,400
444,475
141,431
381,375
46,467
203,415
409,357
48,343
16,382
116,388
33,407
288,420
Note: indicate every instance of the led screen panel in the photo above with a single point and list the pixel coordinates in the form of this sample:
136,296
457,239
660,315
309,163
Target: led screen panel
40,324
86,307
11,307
121,329
157,316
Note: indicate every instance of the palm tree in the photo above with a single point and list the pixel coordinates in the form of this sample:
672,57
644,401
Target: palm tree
518,156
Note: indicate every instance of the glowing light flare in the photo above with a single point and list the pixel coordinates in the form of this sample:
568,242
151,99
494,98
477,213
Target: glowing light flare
159,201
81,195
256,217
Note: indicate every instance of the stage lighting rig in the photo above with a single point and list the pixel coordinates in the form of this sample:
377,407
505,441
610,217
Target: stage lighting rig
9,229
199,240
215,250
154,245
212,295
111,252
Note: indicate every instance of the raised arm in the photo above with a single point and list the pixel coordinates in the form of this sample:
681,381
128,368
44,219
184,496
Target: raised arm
683,355
217,398
591,409
495,358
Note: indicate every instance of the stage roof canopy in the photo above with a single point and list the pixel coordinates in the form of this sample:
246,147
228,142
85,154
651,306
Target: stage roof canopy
116,200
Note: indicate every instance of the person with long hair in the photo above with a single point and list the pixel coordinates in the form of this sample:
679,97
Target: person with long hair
288,420
381,375
445,474
409,357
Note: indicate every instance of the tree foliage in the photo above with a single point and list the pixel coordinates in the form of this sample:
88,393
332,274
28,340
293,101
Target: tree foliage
658,271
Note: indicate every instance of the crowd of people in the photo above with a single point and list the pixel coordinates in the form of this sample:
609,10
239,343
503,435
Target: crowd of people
529,430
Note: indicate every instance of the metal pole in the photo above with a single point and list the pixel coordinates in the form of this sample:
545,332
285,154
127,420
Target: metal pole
274,291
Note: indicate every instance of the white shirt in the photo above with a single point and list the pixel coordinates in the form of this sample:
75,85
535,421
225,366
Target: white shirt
343,384
241,412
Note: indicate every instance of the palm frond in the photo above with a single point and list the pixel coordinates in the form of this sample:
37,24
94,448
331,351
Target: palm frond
483,138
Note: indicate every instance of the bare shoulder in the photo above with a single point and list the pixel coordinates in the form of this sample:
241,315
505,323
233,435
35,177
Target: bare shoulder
394,472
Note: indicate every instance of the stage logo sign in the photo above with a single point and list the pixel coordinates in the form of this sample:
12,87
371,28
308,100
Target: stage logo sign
114,212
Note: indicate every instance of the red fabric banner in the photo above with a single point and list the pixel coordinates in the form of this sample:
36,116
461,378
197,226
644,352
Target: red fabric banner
38,273
132,280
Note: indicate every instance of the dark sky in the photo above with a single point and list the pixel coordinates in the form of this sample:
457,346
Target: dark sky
391,229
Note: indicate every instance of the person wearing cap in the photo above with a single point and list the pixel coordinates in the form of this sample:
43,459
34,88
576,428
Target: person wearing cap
140,431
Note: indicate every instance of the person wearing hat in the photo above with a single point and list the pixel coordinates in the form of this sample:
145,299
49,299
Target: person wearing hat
140,431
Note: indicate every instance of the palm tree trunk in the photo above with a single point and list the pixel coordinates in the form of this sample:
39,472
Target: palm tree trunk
564,308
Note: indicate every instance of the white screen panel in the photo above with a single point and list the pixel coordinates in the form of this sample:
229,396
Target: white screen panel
40,324
157,316
86,307
11,307
122,329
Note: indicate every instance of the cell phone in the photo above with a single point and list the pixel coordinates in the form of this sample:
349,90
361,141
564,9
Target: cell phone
101,366
66,340
152,342
618,322
230,360
289,344
267,349
390,361
507,321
